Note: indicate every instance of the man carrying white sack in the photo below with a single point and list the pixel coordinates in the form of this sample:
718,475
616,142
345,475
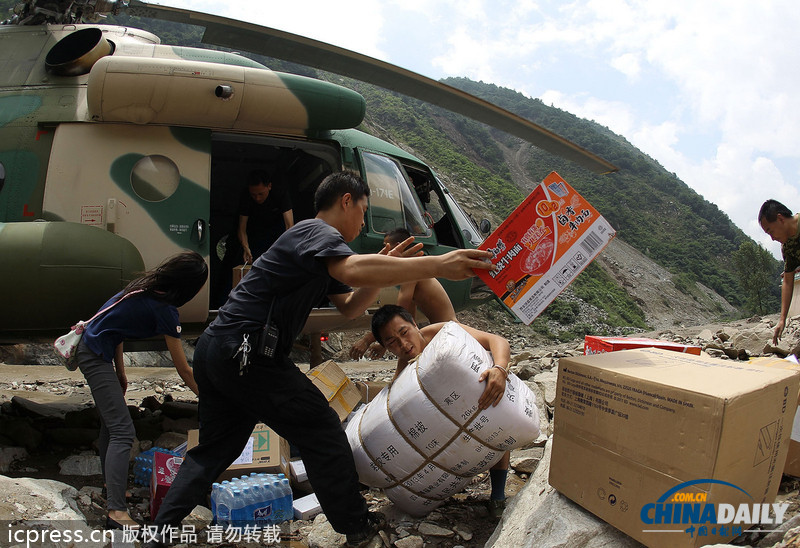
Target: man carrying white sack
395,328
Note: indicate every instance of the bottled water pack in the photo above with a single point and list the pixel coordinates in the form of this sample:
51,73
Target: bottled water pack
257,500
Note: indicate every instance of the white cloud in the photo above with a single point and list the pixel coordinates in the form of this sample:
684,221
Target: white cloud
628,64
615,115
357,26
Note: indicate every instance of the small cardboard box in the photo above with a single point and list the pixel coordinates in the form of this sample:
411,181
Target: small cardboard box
661,444
337,387
370,389
239,272
265,451
165,468
299,474
306,507
542,247
792,466
593,344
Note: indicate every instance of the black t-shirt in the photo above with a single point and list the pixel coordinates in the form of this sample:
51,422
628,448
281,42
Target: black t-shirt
264,218
294,272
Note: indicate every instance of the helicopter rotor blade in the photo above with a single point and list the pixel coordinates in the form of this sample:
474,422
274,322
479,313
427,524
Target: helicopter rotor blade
240,35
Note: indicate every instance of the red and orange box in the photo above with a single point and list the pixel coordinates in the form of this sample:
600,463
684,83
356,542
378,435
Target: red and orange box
593,344
542,247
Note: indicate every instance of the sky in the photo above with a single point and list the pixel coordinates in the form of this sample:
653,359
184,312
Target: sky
708,88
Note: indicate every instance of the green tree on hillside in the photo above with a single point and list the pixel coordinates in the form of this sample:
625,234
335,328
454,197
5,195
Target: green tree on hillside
756,272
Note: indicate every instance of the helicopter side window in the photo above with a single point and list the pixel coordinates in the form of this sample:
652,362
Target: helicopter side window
155,178
392,203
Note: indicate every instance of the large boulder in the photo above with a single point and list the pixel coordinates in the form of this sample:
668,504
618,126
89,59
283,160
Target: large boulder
541,517
42,513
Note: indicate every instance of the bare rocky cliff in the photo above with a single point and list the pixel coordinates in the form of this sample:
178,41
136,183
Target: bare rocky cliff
653,289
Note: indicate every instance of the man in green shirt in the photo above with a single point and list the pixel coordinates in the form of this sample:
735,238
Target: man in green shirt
778,222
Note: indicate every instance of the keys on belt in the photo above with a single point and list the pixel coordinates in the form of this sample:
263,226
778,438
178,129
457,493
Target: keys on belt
243,353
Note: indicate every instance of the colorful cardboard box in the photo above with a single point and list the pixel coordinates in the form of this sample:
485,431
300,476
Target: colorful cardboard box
673,449
165,468
265,451
542,247
336,386
594,344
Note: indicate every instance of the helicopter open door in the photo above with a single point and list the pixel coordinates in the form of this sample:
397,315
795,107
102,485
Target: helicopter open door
147,184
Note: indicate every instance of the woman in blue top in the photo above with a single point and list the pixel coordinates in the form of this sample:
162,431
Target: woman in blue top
147,307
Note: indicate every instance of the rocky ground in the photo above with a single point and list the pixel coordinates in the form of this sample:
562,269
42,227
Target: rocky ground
48,427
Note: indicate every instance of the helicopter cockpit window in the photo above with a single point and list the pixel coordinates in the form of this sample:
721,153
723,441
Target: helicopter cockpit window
155,178
392,202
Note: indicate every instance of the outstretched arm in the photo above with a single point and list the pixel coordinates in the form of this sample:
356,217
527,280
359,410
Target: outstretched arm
241,233
180,362
787,289
381,271
119,363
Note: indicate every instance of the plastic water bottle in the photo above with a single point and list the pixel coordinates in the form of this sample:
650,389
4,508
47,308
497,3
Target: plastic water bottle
278,506
237,508
258,494
265,512
248,505
214,495
288,499
224,504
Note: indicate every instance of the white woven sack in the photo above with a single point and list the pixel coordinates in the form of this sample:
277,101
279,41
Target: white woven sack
421,439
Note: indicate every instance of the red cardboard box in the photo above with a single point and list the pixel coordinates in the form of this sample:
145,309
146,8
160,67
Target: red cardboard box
595,345
165,468
542,247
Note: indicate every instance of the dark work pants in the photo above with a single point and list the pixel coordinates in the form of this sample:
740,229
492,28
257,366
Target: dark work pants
278,394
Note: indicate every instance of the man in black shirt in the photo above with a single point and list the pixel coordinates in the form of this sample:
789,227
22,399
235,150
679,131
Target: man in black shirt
308,262
265,211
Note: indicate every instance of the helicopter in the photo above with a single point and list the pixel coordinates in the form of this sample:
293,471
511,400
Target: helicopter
117,151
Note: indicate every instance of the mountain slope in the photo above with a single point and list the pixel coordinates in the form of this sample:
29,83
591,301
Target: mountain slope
651,209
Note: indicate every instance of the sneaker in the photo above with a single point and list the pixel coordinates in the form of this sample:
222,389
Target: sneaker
375,522
496,507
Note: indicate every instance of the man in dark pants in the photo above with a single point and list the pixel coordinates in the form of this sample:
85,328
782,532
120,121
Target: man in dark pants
308,262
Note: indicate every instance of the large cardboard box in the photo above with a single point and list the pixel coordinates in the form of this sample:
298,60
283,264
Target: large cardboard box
593,344
165,468
336,386
265,451
542,247
792,466
672,449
